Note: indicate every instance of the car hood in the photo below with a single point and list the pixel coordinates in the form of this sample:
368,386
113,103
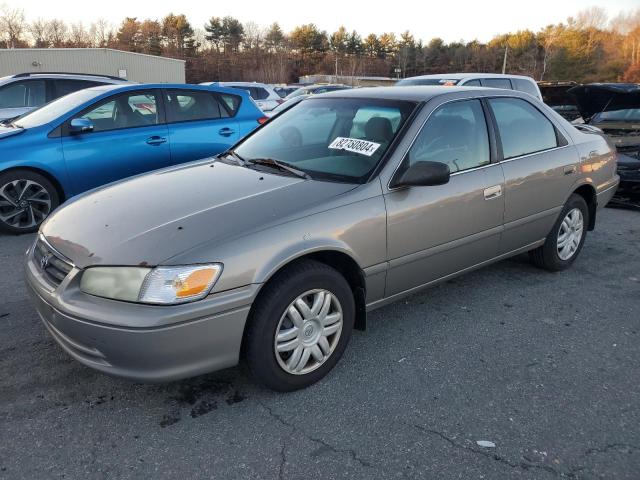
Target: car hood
604,97
148,219
6,131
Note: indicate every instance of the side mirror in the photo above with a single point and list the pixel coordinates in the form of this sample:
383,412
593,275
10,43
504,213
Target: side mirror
80,125
423,174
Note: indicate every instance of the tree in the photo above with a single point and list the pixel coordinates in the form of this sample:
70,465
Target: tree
372,45
38,30
307,39
388,45
150,37
274,39
56,33
178,35
233,34
215,33
12,26
128,35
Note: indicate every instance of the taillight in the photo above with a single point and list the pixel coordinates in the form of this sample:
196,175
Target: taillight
263,120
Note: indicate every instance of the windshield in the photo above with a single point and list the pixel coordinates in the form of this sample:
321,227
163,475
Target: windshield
330,138
52,110
427,81
624,115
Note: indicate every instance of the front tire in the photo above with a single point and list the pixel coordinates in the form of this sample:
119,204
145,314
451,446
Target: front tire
26,199
299,326
564,243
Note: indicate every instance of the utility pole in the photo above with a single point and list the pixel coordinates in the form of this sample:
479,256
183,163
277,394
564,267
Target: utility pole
504,62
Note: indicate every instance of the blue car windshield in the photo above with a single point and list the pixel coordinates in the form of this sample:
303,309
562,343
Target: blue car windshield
335,139
52,110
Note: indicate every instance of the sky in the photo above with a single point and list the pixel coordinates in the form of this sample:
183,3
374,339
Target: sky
450,20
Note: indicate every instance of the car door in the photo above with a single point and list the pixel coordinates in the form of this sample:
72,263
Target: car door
435,231
17,98
200,124
128,137
539,166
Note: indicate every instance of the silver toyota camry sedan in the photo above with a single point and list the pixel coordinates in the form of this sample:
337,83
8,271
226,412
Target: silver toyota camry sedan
276,250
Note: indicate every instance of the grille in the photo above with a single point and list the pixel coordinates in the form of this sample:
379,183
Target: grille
50,262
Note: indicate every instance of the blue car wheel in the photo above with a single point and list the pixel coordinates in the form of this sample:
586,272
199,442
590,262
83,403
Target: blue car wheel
26,199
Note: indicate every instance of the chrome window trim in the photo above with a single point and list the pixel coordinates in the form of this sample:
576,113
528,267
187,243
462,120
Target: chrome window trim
415,137
478,97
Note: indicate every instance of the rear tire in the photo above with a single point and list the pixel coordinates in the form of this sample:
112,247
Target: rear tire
291,349
26,199
564,243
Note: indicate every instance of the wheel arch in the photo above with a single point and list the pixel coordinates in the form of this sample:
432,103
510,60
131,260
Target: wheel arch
588,192
341,261
62,196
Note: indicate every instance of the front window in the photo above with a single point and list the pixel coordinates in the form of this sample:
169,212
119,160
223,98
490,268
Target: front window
456,134
332,139
624,115
129,110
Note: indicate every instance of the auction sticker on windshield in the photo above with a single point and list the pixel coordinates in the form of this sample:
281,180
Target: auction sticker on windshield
354,145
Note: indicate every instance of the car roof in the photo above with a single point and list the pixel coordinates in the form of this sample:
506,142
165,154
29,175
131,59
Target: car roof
244,84
63,75
461,76
412,93
181,86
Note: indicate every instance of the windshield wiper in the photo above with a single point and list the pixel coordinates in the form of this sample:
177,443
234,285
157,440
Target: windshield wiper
230,153
284,166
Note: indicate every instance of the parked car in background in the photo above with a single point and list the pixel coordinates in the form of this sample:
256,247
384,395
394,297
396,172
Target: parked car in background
286,105
557,96
317,89
285,90
342,204
492,80
24,92
263,95
102,134
614,108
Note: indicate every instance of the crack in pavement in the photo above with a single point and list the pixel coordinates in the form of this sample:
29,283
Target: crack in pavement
611,446
521,465
352,453
283,459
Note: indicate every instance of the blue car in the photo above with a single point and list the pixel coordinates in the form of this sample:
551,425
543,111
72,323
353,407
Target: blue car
102,134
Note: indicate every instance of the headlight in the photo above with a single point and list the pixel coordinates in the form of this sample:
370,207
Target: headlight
160,285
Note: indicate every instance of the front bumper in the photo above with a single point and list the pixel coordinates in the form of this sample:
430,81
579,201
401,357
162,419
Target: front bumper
141,342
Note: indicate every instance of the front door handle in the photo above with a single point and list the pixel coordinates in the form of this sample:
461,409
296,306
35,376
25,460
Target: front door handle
156,140
226,131
492,192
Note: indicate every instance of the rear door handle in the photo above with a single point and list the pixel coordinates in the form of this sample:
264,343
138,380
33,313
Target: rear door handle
569,169
156,140
492,192
226,131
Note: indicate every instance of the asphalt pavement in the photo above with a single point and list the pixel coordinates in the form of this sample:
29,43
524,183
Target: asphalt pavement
543,369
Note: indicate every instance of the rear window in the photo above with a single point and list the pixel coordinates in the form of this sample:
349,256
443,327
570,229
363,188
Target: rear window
65,87
526,86
523,129
231,103
184,106
497,83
